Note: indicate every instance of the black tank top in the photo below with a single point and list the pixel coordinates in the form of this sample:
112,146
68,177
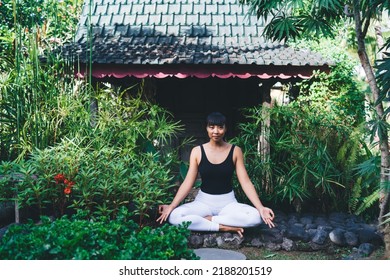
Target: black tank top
216,178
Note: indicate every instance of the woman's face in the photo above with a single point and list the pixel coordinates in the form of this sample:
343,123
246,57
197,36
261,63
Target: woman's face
216,132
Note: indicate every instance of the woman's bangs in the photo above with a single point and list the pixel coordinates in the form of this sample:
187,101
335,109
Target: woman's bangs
216,119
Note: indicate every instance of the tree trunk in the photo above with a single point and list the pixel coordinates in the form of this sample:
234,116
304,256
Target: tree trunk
385,195
379,41
383,138
386,234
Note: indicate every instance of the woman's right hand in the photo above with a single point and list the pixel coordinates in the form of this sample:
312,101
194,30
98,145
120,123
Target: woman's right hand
164,211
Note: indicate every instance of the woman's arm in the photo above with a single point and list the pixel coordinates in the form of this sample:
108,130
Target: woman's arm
184,188
249,189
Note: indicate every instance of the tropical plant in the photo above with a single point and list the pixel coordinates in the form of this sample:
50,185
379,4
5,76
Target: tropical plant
123,160
311,19
30,87
307,167
315,140
383,74
55,20
48,177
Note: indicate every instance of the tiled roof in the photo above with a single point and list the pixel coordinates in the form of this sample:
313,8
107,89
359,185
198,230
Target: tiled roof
179,32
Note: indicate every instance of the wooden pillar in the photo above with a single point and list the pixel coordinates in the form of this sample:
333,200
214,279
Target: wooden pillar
263,145
149,90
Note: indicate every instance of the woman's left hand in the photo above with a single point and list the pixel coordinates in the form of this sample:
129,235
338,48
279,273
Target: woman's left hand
267,215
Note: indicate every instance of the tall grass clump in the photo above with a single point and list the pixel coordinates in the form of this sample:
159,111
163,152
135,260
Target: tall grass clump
30,87
124,160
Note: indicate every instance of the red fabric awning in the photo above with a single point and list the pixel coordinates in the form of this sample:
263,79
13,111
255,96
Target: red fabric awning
101,71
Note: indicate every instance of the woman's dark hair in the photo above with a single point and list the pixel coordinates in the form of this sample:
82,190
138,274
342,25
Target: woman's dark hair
216,118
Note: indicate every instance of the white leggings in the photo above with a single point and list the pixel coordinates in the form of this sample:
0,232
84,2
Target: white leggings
223,208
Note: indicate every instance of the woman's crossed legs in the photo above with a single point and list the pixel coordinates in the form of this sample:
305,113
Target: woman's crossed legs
216,213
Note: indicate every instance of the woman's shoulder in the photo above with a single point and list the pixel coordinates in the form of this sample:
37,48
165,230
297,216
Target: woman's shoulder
196,148
235,146
196,151
237,151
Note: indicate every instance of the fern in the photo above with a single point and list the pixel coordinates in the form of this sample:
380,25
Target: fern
350,153
356,194
368,202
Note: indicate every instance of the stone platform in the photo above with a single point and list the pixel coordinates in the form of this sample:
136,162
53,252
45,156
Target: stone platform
299,232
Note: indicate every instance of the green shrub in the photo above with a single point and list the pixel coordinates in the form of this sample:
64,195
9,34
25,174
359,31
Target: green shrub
7,180
125,159
315,162
69,176
94,239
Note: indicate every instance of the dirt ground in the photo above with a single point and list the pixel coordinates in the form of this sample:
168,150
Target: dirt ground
253,253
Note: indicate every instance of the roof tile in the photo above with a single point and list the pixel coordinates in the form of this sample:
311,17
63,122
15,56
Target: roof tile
113,9
99,9
180,31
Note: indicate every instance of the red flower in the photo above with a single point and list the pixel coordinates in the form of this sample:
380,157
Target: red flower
59,178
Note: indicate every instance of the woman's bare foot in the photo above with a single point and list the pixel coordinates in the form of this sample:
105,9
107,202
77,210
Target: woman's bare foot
238,230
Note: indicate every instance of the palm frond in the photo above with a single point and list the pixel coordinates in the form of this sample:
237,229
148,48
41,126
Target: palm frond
383,77
331,4
368,167
283,27
261,8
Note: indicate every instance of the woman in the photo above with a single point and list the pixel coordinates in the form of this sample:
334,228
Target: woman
215,208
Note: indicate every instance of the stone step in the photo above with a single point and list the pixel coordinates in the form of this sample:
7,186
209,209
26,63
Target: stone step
218,254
